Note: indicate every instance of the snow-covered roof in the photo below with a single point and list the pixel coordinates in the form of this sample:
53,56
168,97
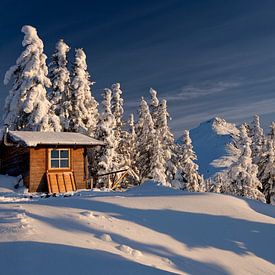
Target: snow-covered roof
32,139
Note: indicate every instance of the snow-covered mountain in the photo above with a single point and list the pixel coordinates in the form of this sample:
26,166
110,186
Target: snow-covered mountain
149,229
209,140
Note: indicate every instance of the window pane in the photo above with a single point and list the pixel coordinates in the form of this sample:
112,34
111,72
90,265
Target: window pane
64,154
64,163
54,163
54,154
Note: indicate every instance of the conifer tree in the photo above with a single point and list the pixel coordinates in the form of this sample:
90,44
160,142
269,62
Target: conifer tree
121,160
131,142
149,159
257,135
266,166
158,163
84,107
241,177
105,133
117,106
188,174
60,95
154,105
27,107
267,172
167,142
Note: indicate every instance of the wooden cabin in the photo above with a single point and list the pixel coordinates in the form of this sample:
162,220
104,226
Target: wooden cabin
47,161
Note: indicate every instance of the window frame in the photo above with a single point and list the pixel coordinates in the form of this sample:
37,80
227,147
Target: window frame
59,159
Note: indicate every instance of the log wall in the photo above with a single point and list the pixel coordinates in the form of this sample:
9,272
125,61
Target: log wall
15,161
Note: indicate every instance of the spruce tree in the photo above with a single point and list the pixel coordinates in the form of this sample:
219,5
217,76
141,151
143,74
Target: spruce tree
131,145
241,177
105,133
258,138
149,155
266,165
27,107
121,160
167,142
84,115
154,105
158,163
267,172
188,175
60,95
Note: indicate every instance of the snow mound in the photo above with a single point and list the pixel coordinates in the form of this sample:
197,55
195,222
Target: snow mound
106,238
12,184
130,251
88,214
209,140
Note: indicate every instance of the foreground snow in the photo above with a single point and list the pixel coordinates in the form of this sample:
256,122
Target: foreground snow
146,230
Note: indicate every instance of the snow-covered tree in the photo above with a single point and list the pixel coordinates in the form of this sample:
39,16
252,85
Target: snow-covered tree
60,95
257,135
188,175
84,107
131,144
27,107
167,141
271,134
117,105
241,177
154,105
158,162
267,172
128,145
105,132
121,160
149,158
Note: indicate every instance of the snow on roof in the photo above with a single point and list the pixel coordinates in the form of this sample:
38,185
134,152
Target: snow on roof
32,139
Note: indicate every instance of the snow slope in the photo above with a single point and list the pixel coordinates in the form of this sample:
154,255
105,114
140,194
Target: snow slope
209,140
146,230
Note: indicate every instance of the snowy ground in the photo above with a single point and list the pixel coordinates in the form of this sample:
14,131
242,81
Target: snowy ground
146,230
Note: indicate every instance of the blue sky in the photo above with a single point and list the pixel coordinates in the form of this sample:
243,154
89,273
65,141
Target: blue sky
207,58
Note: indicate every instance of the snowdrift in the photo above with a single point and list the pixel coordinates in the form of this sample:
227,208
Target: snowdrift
147,230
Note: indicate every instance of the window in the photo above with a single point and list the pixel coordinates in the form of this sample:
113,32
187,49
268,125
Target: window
59,158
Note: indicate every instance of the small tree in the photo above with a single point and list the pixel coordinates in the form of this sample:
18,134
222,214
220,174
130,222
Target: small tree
188,174
258,138
26,107
84,107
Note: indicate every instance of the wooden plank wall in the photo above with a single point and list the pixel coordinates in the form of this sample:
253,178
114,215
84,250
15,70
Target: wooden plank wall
77,165
38,168
32,164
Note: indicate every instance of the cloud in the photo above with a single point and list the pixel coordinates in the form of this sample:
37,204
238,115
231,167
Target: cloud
193,91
